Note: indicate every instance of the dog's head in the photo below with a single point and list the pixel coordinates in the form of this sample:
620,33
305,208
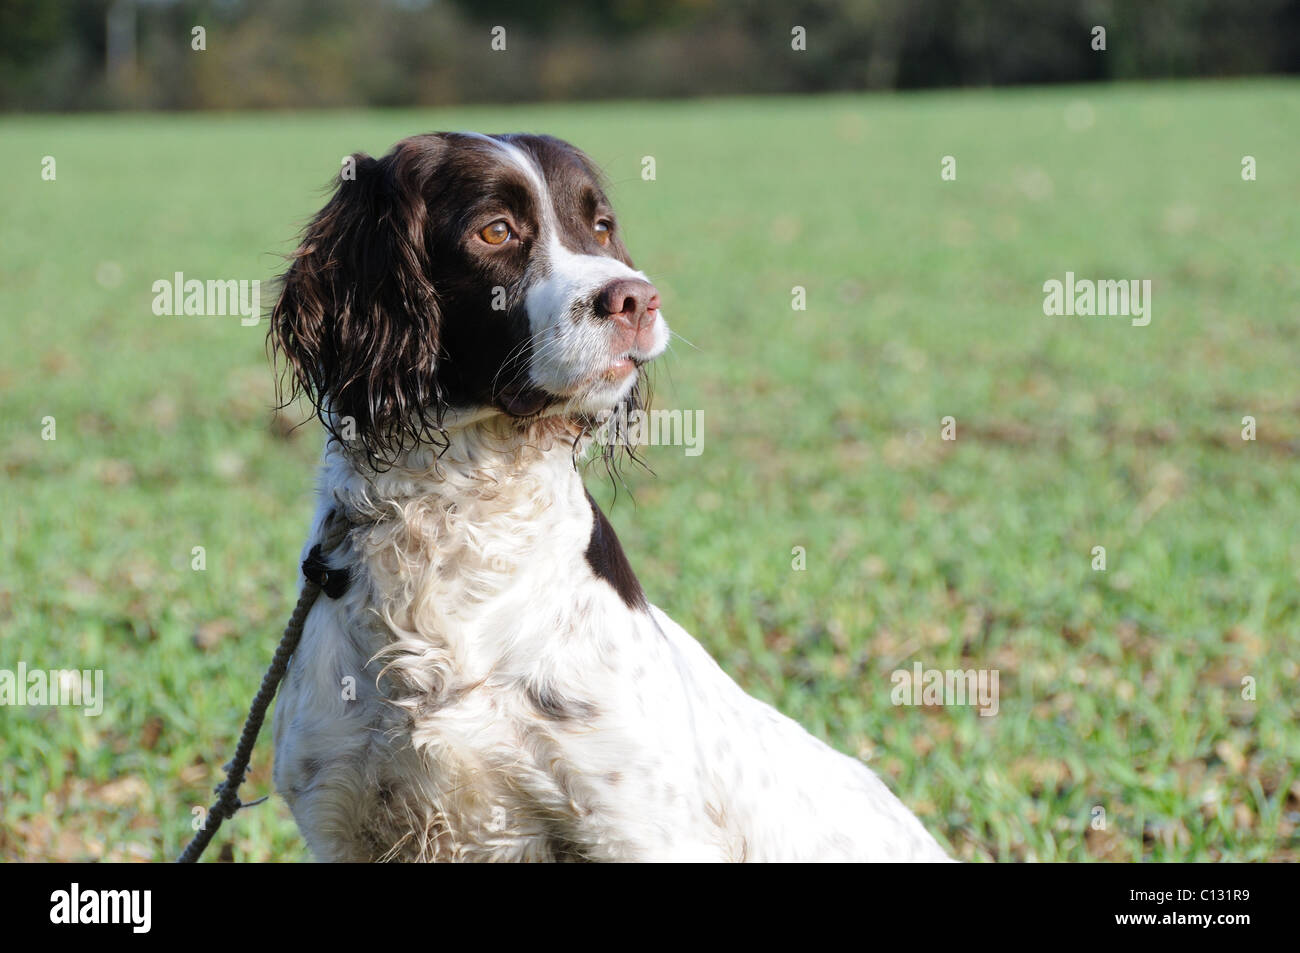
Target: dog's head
463,276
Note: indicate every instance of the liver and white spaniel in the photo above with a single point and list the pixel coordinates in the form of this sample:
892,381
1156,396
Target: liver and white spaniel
492,683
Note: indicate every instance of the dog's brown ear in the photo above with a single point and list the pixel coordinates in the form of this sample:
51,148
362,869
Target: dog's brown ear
357,318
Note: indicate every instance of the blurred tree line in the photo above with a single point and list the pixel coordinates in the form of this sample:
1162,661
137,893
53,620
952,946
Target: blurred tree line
102,54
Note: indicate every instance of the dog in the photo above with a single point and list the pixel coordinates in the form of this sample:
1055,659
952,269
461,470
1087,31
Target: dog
492,683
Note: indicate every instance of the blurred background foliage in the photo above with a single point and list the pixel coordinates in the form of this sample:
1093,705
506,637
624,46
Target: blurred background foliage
137,54
1120,690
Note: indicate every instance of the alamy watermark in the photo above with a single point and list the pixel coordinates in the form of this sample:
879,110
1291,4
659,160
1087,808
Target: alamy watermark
131,908
57,687
655,428
1083,296
179,296
950,687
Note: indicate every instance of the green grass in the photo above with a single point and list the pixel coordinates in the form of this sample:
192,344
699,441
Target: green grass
1119,690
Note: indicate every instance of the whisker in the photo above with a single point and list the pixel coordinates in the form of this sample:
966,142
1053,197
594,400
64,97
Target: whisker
674,334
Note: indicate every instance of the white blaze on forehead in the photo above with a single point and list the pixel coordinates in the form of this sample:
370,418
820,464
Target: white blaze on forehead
561,289
525,163
565,277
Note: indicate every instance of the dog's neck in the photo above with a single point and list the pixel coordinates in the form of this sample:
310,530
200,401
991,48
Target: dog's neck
486,457
462,544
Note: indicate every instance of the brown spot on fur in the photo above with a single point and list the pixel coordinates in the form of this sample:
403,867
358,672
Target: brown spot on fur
607,560
551,704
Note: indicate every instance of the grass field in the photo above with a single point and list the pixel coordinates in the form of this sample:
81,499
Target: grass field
1120,690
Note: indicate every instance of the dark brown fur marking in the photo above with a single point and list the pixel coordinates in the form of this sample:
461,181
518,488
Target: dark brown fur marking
606,558
556,707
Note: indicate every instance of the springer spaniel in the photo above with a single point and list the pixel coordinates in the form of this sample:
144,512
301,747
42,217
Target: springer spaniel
492,683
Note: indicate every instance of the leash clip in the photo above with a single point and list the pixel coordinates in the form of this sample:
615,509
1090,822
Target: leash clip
333,582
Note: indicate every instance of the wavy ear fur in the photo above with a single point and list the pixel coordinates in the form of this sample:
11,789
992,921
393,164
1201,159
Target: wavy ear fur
357,320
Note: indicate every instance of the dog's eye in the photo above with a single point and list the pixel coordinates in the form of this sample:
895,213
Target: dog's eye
496,233
602,232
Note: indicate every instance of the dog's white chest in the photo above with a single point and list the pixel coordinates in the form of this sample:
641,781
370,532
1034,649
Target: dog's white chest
512,699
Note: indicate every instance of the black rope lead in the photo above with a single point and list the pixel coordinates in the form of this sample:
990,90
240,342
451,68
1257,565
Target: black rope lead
320,577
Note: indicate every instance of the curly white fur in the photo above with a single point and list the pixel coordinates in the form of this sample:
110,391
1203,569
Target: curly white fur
478,693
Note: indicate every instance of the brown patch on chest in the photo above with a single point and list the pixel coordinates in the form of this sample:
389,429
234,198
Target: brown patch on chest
607,560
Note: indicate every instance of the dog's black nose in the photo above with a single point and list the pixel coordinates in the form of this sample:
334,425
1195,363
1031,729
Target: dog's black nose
629,301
